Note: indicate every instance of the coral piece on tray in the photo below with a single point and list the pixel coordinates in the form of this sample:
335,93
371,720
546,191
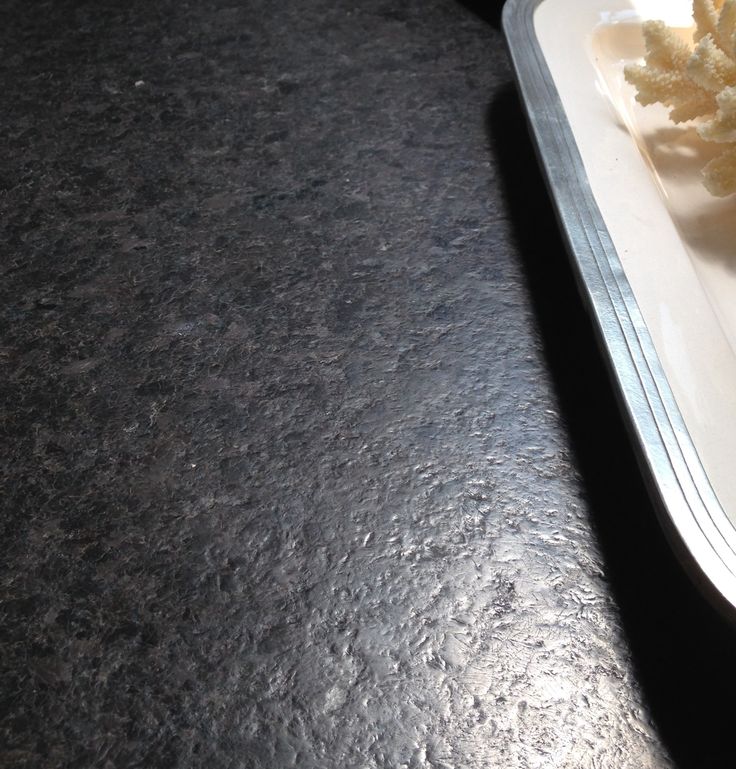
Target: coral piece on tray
696,82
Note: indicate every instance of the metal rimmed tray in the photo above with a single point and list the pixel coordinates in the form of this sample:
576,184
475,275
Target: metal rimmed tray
657,292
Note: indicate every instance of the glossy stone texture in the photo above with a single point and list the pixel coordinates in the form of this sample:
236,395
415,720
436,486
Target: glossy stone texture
308,457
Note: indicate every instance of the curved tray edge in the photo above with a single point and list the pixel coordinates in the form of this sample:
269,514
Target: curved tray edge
699,531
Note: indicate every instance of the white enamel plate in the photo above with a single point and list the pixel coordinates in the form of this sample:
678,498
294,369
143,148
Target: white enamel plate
655,255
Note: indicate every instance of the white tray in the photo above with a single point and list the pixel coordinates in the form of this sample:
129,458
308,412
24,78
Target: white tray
655,255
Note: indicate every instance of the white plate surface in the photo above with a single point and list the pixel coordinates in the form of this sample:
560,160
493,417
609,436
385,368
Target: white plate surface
655,253
676,242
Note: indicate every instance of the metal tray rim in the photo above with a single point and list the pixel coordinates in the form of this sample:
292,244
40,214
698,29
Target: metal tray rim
699,530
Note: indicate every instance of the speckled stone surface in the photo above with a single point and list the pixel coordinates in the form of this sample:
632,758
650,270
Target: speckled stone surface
308,457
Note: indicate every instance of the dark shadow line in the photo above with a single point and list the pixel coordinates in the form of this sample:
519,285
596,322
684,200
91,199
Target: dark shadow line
683,652
489,11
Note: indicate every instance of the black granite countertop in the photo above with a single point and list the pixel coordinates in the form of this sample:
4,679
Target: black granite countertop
308,455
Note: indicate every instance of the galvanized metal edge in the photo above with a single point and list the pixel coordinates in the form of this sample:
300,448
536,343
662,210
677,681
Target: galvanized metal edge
697,527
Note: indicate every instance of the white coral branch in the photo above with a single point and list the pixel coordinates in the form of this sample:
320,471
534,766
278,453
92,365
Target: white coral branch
696,83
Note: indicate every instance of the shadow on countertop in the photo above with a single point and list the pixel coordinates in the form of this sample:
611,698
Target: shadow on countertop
683,651
489,11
